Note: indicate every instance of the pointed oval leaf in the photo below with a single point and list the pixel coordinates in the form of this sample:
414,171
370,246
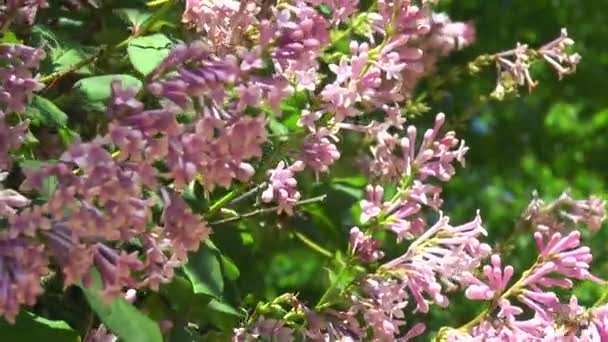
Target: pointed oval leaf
122,318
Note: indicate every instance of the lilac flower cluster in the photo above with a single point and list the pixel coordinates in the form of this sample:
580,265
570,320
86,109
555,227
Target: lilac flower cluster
561,259
223,22
205,121
399,160
513,66
17,83
20,11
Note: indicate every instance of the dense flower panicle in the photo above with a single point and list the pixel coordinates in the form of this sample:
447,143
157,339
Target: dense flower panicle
441,254
17,79
565,214
561,259
17,84
105,200
297,34
433,158
282,187
382,306
223,22
217,150
22,264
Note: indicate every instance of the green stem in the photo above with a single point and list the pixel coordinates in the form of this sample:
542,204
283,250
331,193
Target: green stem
313,245
267,210
51,78
156,3
222,201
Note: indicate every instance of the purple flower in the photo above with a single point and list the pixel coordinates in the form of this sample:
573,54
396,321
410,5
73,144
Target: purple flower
319,152
497,281
22,264
223,22
17,82
282,187
181,226
191,71
364,246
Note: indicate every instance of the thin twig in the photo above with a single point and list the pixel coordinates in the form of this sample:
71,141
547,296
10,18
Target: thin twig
313,245
51,78
247,194
267,210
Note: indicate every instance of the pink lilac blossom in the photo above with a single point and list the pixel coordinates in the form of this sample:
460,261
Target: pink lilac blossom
101,197
319,151
514,65
365,247
223,22
297,34
433,158
440,255
17,79
443,253
561,259
282,187
443,38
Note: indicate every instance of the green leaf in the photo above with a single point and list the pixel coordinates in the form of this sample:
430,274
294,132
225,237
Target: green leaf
122,318
220,314
9,37
49,185
30,327
205,272
180,294
184,334
276,127
66,59
231,271
134,16
95,91
145,53
48,113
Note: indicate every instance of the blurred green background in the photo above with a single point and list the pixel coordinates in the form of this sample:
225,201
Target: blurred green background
553,139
